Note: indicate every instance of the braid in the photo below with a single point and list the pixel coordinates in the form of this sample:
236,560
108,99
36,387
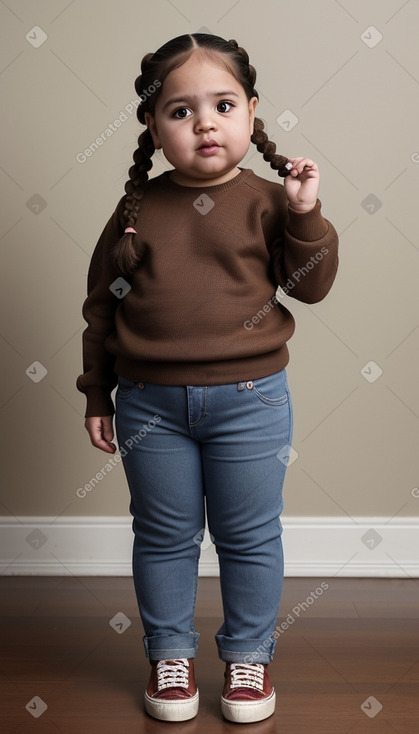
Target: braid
259,136
127,253
267,147
138,176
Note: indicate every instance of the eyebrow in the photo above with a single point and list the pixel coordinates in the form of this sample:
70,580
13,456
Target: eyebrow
192,97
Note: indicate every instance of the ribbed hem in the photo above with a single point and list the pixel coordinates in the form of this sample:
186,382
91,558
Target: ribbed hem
99,402
307,226
203,373
196,190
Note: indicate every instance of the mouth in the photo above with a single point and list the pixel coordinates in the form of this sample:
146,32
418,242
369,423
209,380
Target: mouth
208,147
208,144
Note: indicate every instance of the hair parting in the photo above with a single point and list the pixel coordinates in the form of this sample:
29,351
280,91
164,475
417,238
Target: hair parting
155,67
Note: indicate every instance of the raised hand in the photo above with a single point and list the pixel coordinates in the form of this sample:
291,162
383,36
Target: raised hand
302,185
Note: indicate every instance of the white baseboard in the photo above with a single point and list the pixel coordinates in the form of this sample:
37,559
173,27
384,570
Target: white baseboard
318,547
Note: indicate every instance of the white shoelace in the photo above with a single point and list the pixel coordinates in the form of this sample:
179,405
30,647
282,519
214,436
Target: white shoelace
172,674
247,675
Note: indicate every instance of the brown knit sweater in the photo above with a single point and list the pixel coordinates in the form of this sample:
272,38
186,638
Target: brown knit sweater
201,309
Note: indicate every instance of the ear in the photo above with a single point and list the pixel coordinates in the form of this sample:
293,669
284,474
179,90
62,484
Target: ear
252,112
151,124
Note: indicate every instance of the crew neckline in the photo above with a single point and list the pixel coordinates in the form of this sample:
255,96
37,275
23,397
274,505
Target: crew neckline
243,174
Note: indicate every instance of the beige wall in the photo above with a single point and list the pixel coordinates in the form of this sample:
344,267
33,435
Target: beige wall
357,110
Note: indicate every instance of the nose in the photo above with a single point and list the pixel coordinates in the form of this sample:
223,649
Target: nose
205,121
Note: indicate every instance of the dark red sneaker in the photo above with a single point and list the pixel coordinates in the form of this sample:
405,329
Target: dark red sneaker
172,694
248,694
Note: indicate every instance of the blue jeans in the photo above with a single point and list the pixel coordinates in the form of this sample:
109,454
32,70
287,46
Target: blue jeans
187,449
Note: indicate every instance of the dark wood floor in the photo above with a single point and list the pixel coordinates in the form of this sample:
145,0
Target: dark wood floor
354,650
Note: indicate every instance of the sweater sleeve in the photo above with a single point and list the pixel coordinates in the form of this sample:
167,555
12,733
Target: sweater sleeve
98,378
305,257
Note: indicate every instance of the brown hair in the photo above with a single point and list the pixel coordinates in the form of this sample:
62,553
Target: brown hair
155,67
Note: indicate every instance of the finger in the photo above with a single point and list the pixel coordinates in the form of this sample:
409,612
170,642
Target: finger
95,429
101,443
308,165
302,161
106,435
302,164
107,428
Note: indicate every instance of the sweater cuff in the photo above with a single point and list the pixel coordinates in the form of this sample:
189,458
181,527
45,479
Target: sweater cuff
99,403
307,226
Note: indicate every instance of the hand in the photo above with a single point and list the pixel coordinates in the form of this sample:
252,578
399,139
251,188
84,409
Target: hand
101,433
302,185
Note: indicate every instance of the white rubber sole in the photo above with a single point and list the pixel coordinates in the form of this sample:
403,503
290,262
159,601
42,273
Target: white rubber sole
245,712
182,710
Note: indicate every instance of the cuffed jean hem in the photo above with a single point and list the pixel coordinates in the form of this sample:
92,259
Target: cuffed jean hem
245,651
168,647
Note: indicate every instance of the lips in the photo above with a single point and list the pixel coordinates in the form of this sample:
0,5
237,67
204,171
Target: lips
208,144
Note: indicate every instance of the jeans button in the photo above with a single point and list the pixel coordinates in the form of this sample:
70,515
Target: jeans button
141,385
249,385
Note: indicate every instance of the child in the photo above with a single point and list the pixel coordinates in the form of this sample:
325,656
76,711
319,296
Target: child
182,316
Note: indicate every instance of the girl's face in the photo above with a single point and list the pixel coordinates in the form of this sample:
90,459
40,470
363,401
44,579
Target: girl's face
203,122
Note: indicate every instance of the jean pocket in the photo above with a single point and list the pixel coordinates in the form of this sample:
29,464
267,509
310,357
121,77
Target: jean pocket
125,387
271,390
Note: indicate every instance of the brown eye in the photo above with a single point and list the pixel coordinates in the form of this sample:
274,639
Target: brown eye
224,106
181,113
